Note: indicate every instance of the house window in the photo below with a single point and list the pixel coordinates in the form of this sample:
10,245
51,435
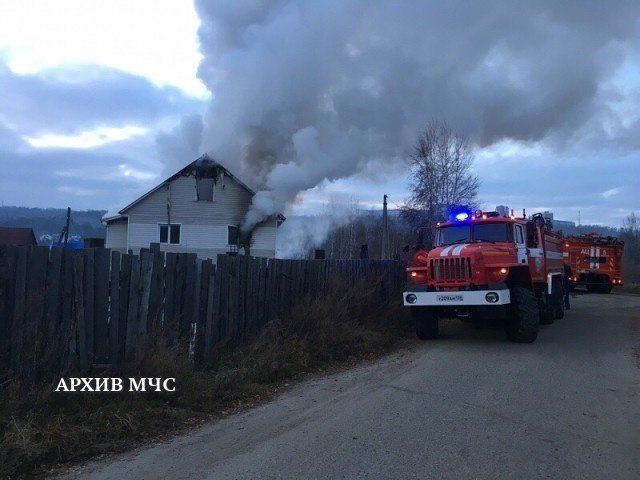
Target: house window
170,233
205,189
233,233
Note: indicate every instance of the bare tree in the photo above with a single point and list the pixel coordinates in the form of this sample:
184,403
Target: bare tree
630,233
442,177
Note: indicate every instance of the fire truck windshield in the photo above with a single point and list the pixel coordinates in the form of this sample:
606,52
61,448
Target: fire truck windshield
481,232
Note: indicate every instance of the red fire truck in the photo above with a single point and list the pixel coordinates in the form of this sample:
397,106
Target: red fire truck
595,261
487,265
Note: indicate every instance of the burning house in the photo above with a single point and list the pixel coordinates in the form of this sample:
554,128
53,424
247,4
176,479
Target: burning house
200,209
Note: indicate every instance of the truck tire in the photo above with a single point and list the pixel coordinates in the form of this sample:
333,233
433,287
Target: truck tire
426,322
606,288
524,320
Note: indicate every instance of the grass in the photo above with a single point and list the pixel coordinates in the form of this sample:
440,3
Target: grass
43,429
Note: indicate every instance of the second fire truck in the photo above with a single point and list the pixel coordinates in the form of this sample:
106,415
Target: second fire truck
595,261
487,265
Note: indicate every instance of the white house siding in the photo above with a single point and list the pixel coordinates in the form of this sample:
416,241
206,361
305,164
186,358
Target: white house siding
264,239
117,235
203,224
206,240
229,207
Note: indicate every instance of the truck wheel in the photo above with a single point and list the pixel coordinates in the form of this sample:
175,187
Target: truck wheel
426,322
606,288
523,321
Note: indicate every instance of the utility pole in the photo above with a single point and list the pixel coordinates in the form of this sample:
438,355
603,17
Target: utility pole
65,230
384,249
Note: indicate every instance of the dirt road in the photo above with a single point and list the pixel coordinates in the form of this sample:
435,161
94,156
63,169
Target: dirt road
469,405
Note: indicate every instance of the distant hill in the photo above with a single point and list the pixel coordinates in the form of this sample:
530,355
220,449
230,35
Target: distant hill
597,229
47,223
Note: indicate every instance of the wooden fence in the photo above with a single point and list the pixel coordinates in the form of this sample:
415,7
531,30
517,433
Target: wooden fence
65,310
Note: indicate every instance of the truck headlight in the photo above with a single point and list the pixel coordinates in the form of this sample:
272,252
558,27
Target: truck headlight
499,274
411,298
492,297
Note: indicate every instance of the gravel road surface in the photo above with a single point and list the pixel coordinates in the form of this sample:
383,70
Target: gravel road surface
468,405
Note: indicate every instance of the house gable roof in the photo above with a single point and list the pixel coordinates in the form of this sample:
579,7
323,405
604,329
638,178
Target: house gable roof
17,236
202,162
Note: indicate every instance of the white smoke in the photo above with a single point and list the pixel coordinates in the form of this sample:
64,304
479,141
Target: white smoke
184,141
306,91
299,235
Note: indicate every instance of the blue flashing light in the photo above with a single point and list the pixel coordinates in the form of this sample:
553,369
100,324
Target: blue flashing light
462,216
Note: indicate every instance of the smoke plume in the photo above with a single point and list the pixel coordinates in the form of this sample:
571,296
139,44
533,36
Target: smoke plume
182,142
307,91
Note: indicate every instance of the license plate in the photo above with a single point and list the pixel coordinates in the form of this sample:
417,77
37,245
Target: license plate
449,298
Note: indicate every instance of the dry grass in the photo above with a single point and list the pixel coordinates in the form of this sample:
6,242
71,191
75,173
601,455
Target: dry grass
45,428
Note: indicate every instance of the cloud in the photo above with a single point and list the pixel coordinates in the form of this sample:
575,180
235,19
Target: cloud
611,192
82,135
72,99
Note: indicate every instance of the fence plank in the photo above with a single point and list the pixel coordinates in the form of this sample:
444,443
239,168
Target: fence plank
133,316
193,319
179,293
269,291
53,308
126,265
19,308
67,338
213,302
225,281
170,292
201,308
189,295
253,297
102,265
241,292
114,308
89,298
8,258
261,309
79,310
33,338
156,294
146,271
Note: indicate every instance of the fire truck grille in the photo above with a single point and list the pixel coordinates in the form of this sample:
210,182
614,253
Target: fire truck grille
451,269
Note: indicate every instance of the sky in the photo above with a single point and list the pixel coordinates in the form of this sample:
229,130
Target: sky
317,102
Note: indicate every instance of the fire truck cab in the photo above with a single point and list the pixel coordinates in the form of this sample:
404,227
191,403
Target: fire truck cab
487,265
